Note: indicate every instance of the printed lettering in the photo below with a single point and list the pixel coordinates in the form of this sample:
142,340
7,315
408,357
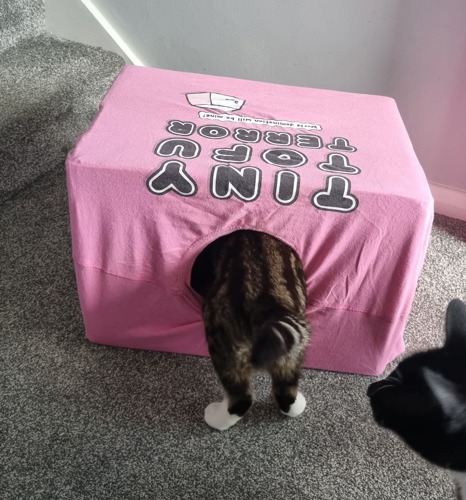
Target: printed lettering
336,196
338,164
213,132
238,153
341,144
184,148
243,183
172,176
308,141
278,138
286,187
176,127
284,158
247,135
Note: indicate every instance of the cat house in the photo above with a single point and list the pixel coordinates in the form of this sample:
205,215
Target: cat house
174,160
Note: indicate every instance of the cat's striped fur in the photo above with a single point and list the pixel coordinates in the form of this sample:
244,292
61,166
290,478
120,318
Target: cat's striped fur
254,313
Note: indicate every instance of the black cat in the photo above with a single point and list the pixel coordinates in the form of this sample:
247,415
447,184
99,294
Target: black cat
424,399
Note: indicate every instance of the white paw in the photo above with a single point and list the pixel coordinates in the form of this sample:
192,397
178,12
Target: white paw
297,407
218,417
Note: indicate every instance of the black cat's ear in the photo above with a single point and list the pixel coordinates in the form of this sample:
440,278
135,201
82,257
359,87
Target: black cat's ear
448,397
456,325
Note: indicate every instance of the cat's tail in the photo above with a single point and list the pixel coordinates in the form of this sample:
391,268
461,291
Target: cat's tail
275,340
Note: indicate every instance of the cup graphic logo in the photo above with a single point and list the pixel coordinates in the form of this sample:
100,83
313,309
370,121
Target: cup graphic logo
212,100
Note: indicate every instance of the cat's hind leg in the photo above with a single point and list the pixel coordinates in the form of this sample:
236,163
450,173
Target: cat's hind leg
237,400
285,378
218,415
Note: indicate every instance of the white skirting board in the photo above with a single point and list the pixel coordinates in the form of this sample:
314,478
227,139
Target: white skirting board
449,201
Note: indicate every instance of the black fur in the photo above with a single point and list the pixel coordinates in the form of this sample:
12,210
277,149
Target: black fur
424,399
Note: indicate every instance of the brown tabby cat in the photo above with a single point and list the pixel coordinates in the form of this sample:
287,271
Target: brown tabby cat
254,313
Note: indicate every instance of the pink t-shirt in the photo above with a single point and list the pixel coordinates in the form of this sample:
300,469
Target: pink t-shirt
174,160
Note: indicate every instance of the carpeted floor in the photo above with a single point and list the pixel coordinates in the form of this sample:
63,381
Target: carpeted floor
80,421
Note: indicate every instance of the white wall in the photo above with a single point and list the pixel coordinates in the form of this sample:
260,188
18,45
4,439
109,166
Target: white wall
72,19
414,51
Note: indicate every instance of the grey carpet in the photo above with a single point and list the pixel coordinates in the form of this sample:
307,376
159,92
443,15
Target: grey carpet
20,19
50,92
80,421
